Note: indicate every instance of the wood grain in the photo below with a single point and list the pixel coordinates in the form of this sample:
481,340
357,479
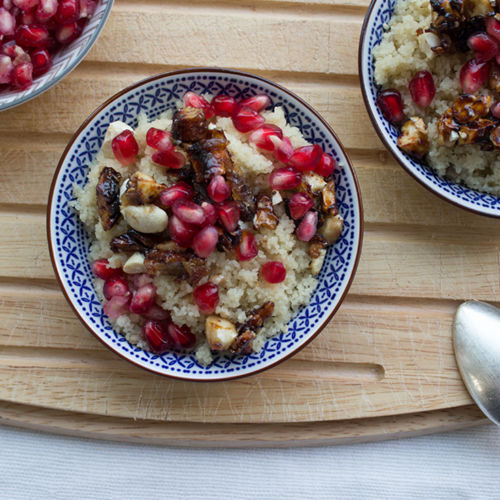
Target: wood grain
384,367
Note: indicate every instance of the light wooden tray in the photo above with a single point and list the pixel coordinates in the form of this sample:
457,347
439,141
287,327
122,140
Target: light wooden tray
384,366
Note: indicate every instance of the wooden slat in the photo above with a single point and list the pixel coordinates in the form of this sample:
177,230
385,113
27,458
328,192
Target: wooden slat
372,360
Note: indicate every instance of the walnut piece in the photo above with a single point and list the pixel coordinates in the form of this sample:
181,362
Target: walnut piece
414,138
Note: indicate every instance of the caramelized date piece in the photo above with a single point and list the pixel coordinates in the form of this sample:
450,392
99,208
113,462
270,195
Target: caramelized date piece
227,241
108,197
133,241
189,125
141,189
242,194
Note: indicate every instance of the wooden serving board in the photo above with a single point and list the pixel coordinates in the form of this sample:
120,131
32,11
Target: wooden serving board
384,366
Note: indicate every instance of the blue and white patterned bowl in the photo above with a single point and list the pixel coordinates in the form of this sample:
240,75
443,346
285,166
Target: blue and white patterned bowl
65,60
379,14
69,243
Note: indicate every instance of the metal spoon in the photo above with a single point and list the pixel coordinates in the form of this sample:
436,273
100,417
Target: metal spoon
477,350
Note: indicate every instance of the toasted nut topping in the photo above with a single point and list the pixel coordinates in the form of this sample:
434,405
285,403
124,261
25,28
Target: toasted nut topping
220,333
475,132
317,262
468,108
332,228
414,137
145,218
141,189
135,264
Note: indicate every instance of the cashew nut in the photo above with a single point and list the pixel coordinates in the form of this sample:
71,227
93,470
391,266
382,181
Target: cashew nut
220,333
145,218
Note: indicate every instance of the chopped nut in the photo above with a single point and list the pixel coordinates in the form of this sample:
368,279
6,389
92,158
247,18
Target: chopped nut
317,244
447,129
135,264
467,108
243,343
265,216
315,182
329,201
414,137
475,132
145,218
220,333
317,262
495,137
140,189
276,198
332,228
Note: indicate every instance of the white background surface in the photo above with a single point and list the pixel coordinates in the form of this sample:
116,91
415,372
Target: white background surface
457,465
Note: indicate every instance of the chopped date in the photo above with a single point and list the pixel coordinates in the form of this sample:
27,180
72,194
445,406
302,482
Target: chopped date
108,197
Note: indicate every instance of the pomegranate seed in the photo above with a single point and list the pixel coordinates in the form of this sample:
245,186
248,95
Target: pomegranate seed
116,306
41,60
261,136
473,75
179,191
229,215
25,4
194,100
159,139
299,204
422,89
66,33
21,57
156,313
273,272
390,104
247,249
497,59
11,49
326,165
205,241
218,189
246,119
141,280
6,68
495,110
143,299
483,46
180,233
102,270
171,159
306,157
257,102
285,178
283,149
45,10
32,36
68,11
223,105
181,337
87,8
210,213
125,147
7,22
206,297
157,337
189,212
307,227
493,28
22,75
117,285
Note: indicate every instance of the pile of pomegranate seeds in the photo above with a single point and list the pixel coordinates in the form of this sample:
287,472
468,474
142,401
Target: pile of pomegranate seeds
31,32
137,296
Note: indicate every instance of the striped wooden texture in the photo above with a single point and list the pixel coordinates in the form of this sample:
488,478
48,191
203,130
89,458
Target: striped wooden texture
387,354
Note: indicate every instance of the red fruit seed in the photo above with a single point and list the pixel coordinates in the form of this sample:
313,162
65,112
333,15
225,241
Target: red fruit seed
180,232
308,226
157,337
116,306
306,157
189,212
283,149
156,313
247,249
66,33
41,60
390,104
422,89
493,28
483,46
206,297
7,22
181,337
299,204
32,36
261,136
273,272
116,285
171,159
210,213
178,191
143,299
223,105
45,10
246,119
68,11
229,215
159,139
125,147
218,189
102,270
194,100
22,75
473,75
257,102
326,165
205,241
285,178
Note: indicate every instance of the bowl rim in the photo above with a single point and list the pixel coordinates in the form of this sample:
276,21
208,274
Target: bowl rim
69,69
387,143
181,72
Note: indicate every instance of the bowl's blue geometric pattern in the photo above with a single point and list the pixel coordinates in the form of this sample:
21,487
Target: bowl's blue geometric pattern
378,16
70,242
